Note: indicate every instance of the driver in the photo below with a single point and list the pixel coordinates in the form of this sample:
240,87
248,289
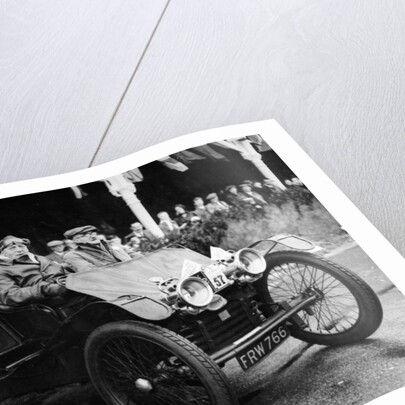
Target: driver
26,278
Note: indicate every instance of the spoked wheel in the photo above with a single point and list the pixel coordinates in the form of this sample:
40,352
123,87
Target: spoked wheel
346,310
136,363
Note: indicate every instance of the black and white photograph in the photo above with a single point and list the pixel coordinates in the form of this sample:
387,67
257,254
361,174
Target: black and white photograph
212,275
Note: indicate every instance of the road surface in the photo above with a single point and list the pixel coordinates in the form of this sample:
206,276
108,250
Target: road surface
304,374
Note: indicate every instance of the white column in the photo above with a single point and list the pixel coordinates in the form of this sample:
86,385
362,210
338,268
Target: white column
249,153
119,186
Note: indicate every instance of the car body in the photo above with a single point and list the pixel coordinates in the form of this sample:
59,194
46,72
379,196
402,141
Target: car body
191,313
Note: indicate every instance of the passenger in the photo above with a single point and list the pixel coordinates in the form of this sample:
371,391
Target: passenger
26,278
91,252
58,251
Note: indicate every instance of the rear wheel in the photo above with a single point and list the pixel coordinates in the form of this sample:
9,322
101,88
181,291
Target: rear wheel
137,363
347,309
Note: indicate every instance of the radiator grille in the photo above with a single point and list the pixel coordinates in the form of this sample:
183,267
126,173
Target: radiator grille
212,331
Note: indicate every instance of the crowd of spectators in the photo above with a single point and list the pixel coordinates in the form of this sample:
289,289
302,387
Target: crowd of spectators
201,222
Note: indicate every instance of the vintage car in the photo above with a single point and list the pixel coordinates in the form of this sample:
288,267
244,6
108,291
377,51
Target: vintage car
159,329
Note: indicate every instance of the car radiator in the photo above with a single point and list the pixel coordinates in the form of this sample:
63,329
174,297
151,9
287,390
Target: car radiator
213,330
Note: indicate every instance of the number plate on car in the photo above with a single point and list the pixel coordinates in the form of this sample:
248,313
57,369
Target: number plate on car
261,348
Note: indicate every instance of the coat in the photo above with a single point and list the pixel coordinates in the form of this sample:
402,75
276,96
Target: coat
87,257
21,282
55,257
170,229
221,206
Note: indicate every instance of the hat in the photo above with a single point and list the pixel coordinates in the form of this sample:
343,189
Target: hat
80,229
211,196
53,243
248,182
4,244
181,206
227,188
195,218
268,181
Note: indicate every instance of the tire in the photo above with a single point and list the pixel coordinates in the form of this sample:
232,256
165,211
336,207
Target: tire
347,311
138,363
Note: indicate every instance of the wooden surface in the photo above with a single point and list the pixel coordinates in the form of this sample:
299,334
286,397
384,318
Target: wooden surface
83,83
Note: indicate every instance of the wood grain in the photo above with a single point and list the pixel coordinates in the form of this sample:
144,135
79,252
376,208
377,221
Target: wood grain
330,72
64,66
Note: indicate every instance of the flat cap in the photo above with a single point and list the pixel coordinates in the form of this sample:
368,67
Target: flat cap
80,229
53,243
227,188
9,240
211,196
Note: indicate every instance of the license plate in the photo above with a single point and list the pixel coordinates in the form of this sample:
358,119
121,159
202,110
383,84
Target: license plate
261,348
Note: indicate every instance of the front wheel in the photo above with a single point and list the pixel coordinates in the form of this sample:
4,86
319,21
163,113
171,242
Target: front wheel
137,363
347,309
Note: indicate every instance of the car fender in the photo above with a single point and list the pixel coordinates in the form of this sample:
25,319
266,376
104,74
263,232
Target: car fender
286,241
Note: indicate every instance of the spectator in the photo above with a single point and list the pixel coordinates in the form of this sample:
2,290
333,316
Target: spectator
91,252
134,247
200,209
195,221
236,199
115,243
257,187
26,278
272,193
296,181
58,251
298,193
215,204
142,234
168,226
182,217
246,190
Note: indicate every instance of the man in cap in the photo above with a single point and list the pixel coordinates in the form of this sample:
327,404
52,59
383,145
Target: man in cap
138,231
215,204
200,209
91,252
58,250
26,278
236,199
168,226
246,191
182,216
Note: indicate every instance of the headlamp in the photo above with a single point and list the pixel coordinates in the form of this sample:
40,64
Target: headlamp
195,291
250,261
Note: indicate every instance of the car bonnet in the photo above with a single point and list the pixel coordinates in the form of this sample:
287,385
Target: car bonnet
134,277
